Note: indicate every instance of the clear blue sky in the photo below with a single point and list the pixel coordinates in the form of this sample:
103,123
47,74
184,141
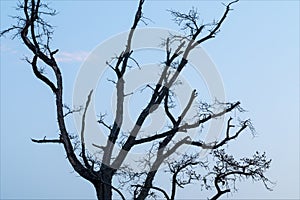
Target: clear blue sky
256,52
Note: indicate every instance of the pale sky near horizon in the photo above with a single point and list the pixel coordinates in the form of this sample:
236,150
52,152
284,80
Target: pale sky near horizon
256,53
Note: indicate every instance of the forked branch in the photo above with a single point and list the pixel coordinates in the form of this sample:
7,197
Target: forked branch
227,138
217,27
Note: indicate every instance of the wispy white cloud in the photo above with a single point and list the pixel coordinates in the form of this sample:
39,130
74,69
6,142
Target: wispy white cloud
66,57
61,56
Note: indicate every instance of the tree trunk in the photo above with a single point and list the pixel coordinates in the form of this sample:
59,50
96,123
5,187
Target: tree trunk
104,186
103,190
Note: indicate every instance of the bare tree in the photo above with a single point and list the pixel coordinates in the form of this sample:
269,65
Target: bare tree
218,173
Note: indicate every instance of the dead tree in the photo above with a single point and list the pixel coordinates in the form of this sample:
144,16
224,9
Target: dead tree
219,173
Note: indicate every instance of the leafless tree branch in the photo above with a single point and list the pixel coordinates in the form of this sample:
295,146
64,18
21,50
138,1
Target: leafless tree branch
185,127
155,188
40,76
166,106
71,110
186,166
59,141
227,170
33,30
218,24
245,124
83,153
122,60
101,121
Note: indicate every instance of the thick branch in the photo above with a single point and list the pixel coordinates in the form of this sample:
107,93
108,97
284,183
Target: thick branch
219,194
166,106
137,18
59,141
115,130
188,106
40,76
115,189
123,58
85,160
154,137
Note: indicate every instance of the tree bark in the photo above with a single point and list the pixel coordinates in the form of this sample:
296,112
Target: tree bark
103,188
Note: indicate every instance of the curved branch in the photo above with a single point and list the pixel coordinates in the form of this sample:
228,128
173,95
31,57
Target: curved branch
32,44
167,109
214,31
85,160
227,170
115,189
219,194
155,188
40,76
176,170
225,140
